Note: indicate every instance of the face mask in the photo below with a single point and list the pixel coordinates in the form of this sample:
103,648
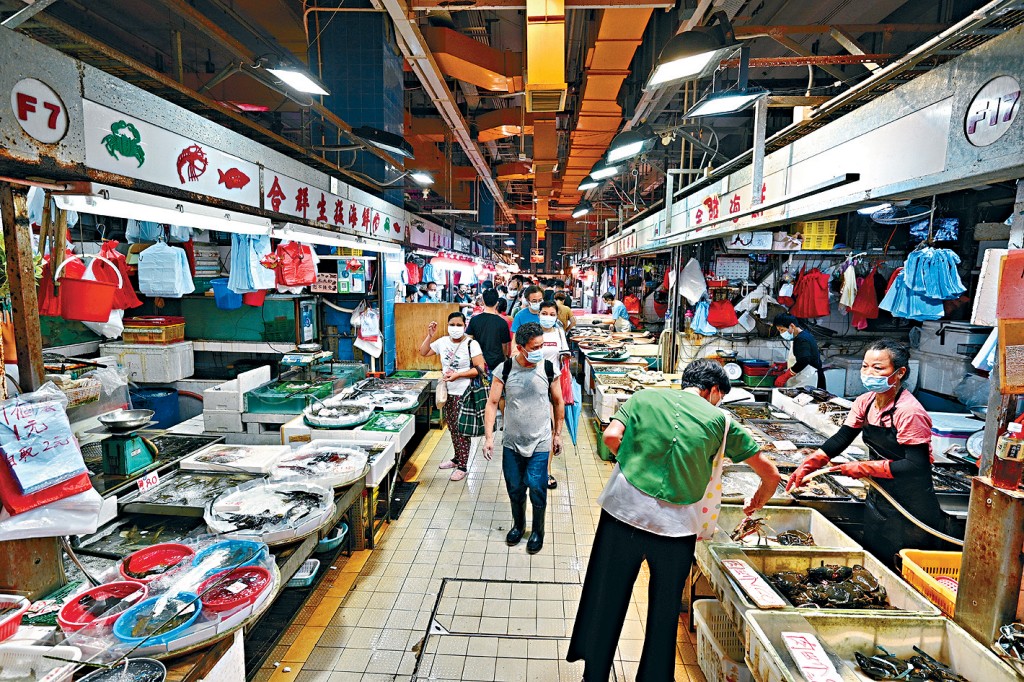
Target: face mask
547,321
876,384
534,356
456,332
535,307
787,335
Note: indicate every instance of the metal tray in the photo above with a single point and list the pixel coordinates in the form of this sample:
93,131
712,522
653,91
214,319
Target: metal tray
796,432
754,411
168,497
131,532
839,493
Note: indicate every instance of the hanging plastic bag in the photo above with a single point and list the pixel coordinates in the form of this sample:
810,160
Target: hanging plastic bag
125,298
441,394
114,326
369,325
566,382
691,282
296,265
41,459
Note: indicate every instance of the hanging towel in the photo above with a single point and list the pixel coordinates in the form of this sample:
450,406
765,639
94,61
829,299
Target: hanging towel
164,271
848,294
700,325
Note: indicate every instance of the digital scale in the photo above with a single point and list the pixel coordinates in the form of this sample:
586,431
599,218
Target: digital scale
302,363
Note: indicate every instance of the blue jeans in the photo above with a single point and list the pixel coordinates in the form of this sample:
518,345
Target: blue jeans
526,472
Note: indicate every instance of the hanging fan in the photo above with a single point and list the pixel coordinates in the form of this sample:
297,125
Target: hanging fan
901,212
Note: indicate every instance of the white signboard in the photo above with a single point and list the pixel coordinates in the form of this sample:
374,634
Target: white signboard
992,111
39,110
118,143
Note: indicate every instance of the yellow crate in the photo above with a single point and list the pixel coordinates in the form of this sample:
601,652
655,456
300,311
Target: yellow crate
346,251
819,235
921,568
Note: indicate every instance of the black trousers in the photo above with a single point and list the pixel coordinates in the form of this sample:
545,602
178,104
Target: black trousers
618,551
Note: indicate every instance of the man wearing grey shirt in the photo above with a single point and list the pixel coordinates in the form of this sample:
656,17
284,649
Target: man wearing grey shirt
531,389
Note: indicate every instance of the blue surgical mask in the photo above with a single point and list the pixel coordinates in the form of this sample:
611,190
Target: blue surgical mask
548,321
534,357
786,335
876,384
535,307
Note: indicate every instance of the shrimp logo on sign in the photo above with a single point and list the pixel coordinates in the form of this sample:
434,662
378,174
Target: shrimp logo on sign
992,111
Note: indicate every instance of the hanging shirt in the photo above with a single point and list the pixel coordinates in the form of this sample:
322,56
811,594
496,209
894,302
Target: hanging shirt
138,231
811,295
164,271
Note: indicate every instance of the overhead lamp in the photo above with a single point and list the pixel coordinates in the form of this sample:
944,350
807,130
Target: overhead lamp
582,209
603,170
588,183
510,242
695,53
731,102
298,79
422,178
630,143
491,234
868,210
311,235
116,202
392,143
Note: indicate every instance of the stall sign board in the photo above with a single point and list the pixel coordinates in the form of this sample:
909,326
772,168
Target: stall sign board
326,283
39,110
992,111
751,582
118,143
810,657
536,255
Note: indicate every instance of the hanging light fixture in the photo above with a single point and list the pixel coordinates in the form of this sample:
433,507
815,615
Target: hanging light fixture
392,143
630,143
582,209
694,54
731,102
297,78
603,169
588,183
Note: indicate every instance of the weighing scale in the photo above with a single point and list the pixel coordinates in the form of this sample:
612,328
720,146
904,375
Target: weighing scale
124,450
302,363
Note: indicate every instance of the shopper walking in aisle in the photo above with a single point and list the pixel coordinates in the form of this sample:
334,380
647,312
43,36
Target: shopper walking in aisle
556,348
560,289
502,309
898,433
669,445
491,331
532,298
532,391
803,366
620,316
565,316
461,361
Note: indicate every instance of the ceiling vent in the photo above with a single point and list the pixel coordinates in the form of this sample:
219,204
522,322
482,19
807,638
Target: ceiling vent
544,100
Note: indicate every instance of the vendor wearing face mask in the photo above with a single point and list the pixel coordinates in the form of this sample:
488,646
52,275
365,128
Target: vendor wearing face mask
804,361
432,294
898,433
530,312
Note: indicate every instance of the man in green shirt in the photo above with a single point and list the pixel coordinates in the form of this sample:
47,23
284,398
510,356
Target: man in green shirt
653,507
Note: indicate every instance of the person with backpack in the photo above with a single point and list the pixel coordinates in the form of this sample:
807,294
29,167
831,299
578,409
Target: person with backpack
532,392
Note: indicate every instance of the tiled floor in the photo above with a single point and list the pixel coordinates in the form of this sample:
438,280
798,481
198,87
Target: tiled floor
443,598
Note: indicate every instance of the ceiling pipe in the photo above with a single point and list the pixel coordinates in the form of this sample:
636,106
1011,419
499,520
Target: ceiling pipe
416,52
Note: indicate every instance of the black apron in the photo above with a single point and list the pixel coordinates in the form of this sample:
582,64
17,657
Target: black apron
887,531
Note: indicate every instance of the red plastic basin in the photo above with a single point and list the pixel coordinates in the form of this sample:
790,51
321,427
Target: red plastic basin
237,587
170,554
75,614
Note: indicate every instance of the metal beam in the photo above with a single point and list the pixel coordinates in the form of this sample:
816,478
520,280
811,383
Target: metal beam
813,60
797,100
799,49
28,339
855,29
851,45
25,13
463,5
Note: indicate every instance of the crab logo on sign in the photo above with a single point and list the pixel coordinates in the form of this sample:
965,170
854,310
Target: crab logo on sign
39,110
992,111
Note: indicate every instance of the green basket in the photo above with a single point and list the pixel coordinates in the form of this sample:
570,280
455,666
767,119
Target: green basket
766,380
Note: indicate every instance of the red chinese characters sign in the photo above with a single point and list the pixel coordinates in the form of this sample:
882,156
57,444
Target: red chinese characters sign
759,591
810,657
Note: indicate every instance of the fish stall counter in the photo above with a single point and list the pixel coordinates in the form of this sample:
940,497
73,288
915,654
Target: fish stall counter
612,390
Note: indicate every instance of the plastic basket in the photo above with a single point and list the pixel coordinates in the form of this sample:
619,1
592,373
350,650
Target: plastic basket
759,381
819,235
82,391
921,568
39,662
719,649
306,574
770,661
154,330
333,539
9,625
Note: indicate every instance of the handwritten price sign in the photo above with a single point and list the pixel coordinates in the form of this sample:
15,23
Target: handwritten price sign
37,443
148,481
810,657
753,584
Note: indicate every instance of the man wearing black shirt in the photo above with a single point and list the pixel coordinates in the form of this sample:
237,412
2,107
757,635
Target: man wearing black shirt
491,331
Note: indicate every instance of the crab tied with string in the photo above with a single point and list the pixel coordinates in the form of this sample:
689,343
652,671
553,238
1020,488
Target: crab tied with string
759,525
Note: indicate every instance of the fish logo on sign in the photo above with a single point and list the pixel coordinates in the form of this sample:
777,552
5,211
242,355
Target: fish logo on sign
232,178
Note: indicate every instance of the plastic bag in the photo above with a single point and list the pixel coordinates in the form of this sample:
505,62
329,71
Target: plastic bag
972,391
441,394
75,515
691,282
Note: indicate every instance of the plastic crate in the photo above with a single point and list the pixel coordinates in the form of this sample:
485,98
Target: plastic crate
921,568
306,574
819,235
765,561
826,534
154,330
770,661
9,625
719,649
39,663
765,380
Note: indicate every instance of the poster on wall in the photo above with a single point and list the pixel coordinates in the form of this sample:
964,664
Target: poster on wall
536,255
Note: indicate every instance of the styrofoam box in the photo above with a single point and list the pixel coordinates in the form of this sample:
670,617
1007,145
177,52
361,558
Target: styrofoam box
380,465
401,438
606,404
153,364
297,431
941,373
226,421
943,337
231,394
952,428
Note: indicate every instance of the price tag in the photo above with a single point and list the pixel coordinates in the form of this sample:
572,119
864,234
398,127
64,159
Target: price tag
148,481
763,596
810,657
236,587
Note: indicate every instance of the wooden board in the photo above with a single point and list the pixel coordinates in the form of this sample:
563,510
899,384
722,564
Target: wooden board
411,320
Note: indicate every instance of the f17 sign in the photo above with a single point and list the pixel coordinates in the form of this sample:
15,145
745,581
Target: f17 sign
992,111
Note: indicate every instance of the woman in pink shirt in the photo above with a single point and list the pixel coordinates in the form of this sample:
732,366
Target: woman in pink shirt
898,433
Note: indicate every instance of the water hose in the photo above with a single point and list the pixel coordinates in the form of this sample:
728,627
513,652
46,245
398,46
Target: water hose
910,517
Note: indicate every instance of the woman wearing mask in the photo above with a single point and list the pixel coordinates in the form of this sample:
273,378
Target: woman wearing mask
898,433
555,348
461,361
803,365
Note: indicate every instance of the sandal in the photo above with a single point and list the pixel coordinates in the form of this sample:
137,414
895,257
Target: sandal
552,483
457,475
447,465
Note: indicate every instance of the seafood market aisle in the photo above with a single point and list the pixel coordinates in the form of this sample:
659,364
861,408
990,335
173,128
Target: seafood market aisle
443,598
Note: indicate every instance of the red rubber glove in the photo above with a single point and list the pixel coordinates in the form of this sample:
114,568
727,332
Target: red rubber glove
874,469
809,465
783,378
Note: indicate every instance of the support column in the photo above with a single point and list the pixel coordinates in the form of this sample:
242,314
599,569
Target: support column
28,338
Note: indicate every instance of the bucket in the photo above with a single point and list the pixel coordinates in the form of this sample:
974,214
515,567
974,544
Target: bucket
163,402
255,298
87,300
224,297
